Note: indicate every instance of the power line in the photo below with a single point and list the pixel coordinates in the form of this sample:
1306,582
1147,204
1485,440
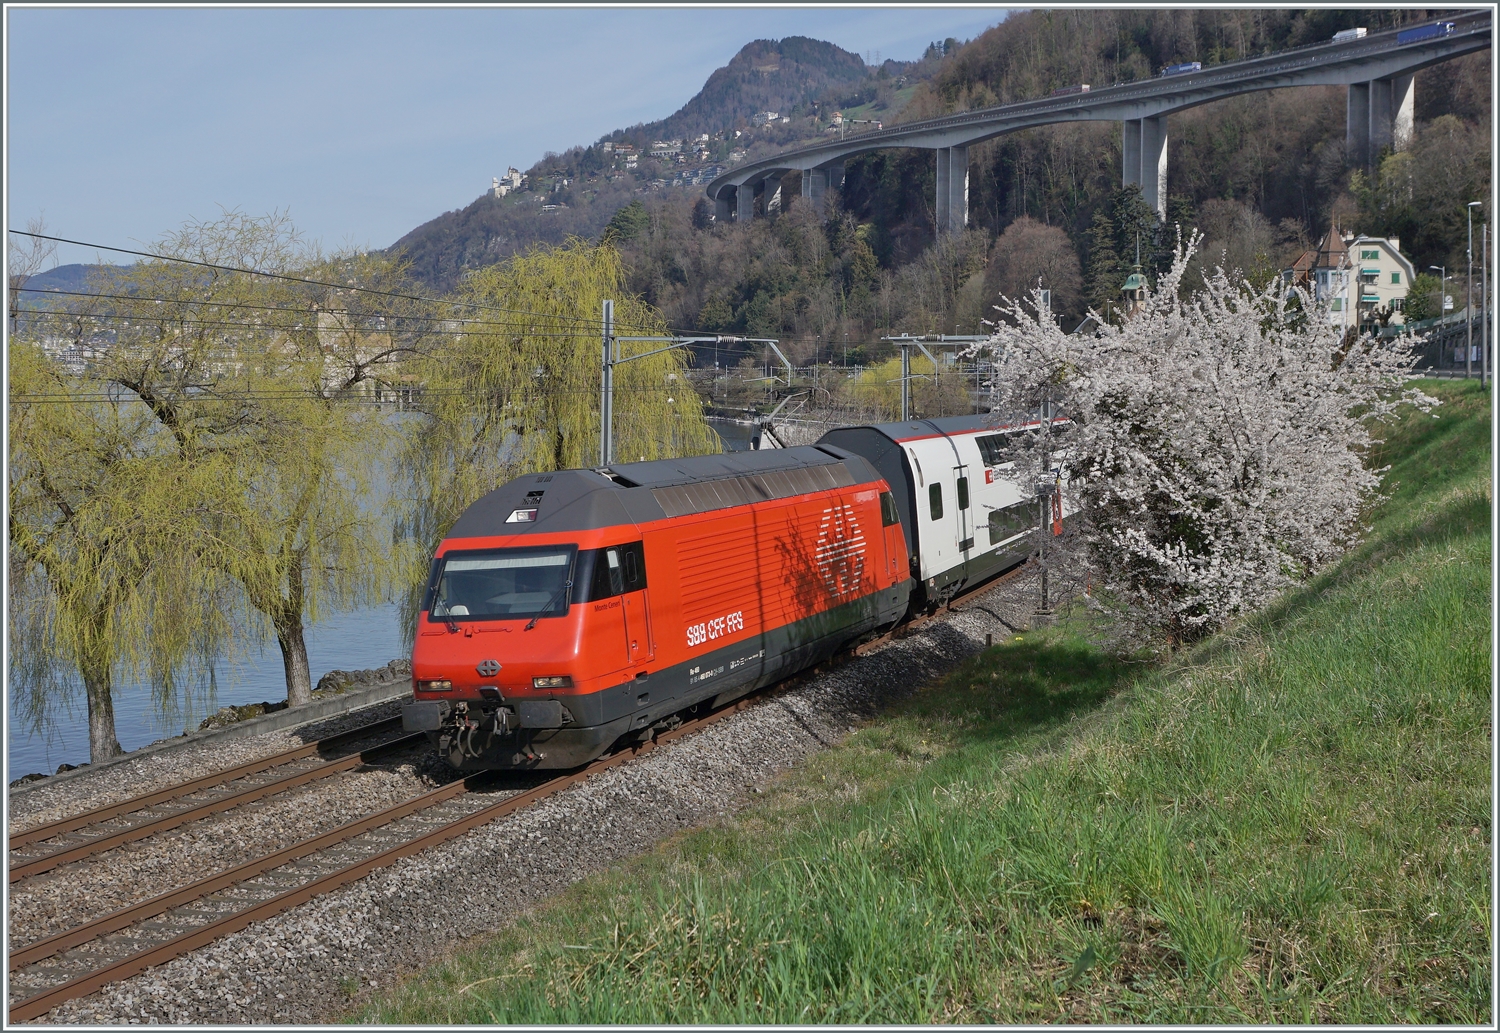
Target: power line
129,397
29,313
316,283
147,321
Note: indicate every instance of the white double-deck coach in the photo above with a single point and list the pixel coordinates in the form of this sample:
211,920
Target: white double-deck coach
965,515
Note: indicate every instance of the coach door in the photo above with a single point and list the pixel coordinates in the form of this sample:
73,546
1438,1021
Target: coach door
964,510
637,613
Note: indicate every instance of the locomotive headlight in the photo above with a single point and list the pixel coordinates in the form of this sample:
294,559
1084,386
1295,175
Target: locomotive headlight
562,681
435,686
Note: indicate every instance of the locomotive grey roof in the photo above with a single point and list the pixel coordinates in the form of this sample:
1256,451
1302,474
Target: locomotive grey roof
576,500
659,473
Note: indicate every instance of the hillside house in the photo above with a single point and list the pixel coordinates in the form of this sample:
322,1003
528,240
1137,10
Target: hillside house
1383,275
1355,277
508,183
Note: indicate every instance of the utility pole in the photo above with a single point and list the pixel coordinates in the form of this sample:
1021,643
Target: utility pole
1484,306
1469,295
905,384
1045,490
607,397
612,359
907,342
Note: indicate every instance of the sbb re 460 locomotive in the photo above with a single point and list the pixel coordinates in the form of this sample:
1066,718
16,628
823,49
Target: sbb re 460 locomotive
568,610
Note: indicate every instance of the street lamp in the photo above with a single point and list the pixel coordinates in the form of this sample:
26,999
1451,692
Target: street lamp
1443,289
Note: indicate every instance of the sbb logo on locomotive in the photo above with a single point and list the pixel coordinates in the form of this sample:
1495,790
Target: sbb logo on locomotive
841,550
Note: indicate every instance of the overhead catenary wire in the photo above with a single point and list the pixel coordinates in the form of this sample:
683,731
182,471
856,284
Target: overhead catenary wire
127,396
585,320
71,318
194,302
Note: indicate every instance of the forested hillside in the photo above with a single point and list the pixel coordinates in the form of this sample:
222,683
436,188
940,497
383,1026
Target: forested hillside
1262,176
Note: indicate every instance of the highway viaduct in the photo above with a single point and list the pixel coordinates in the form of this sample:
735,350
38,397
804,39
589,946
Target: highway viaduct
1376,68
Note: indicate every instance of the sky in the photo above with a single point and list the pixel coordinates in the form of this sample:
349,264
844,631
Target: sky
362,123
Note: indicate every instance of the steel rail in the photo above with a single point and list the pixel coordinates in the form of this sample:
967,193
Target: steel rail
135,803
914,625
68,855
46,1000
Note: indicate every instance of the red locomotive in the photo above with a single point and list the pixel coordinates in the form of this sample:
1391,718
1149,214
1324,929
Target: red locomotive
567,610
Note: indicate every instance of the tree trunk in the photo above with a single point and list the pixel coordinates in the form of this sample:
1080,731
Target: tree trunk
294,658
103,743
288,624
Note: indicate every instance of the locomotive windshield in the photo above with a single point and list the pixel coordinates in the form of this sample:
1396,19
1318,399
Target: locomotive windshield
501,584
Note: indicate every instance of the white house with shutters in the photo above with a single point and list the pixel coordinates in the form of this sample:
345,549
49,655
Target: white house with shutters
1354,276
1381,275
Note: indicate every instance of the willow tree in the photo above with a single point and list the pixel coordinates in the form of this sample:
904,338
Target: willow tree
258,372
518,390
111,574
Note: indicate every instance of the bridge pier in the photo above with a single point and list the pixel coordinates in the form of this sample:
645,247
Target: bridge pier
1357,124
1379,114
1144,160
951,211
722,208
744,199
817,181
814,182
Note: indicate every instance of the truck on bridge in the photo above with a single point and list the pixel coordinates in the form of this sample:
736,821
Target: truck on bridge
1422,32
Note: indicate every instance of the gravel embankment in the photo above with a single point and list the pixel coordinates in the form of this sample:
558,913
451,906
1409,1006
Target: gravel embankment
53,901
42,802
313,963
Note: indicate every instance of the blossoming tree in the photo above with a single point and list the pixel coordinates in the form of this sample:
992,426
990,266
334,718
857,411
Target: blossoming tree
1214,444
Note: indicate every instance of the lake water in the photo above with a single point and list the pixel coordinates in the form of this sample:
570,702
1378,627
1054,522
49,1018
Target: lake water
344,641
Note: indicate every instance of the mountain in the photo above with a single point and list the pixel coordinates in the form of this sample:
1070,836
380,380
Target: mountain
767,75
802,80
74,277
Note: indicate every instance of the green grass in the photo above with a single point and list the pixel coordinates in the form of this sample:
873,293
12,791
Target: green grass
1290,823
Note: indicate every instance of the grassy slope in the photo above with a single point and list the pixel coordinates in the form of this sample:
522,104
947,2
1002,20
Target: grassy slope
1289,824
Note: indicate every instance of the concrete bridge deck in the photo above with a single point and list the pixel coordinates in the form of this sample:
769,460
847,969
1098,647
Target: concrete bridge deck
1377,68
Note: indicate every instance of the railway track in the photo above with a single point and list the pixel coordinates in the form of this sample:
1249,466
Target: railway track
126,942
111,947
66,840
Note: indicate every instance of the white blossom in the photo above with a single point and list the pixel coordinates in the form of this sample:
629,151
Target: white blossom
1214,446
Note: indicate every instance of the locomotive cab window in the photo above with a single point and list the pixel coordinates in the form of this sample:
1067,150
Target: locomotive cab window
935,500
609,574
888,514
501,584
611,571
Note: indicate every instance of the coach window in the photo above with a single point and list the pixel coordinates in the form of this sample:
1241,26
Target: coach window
992,449
935,500
963,493
888,514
